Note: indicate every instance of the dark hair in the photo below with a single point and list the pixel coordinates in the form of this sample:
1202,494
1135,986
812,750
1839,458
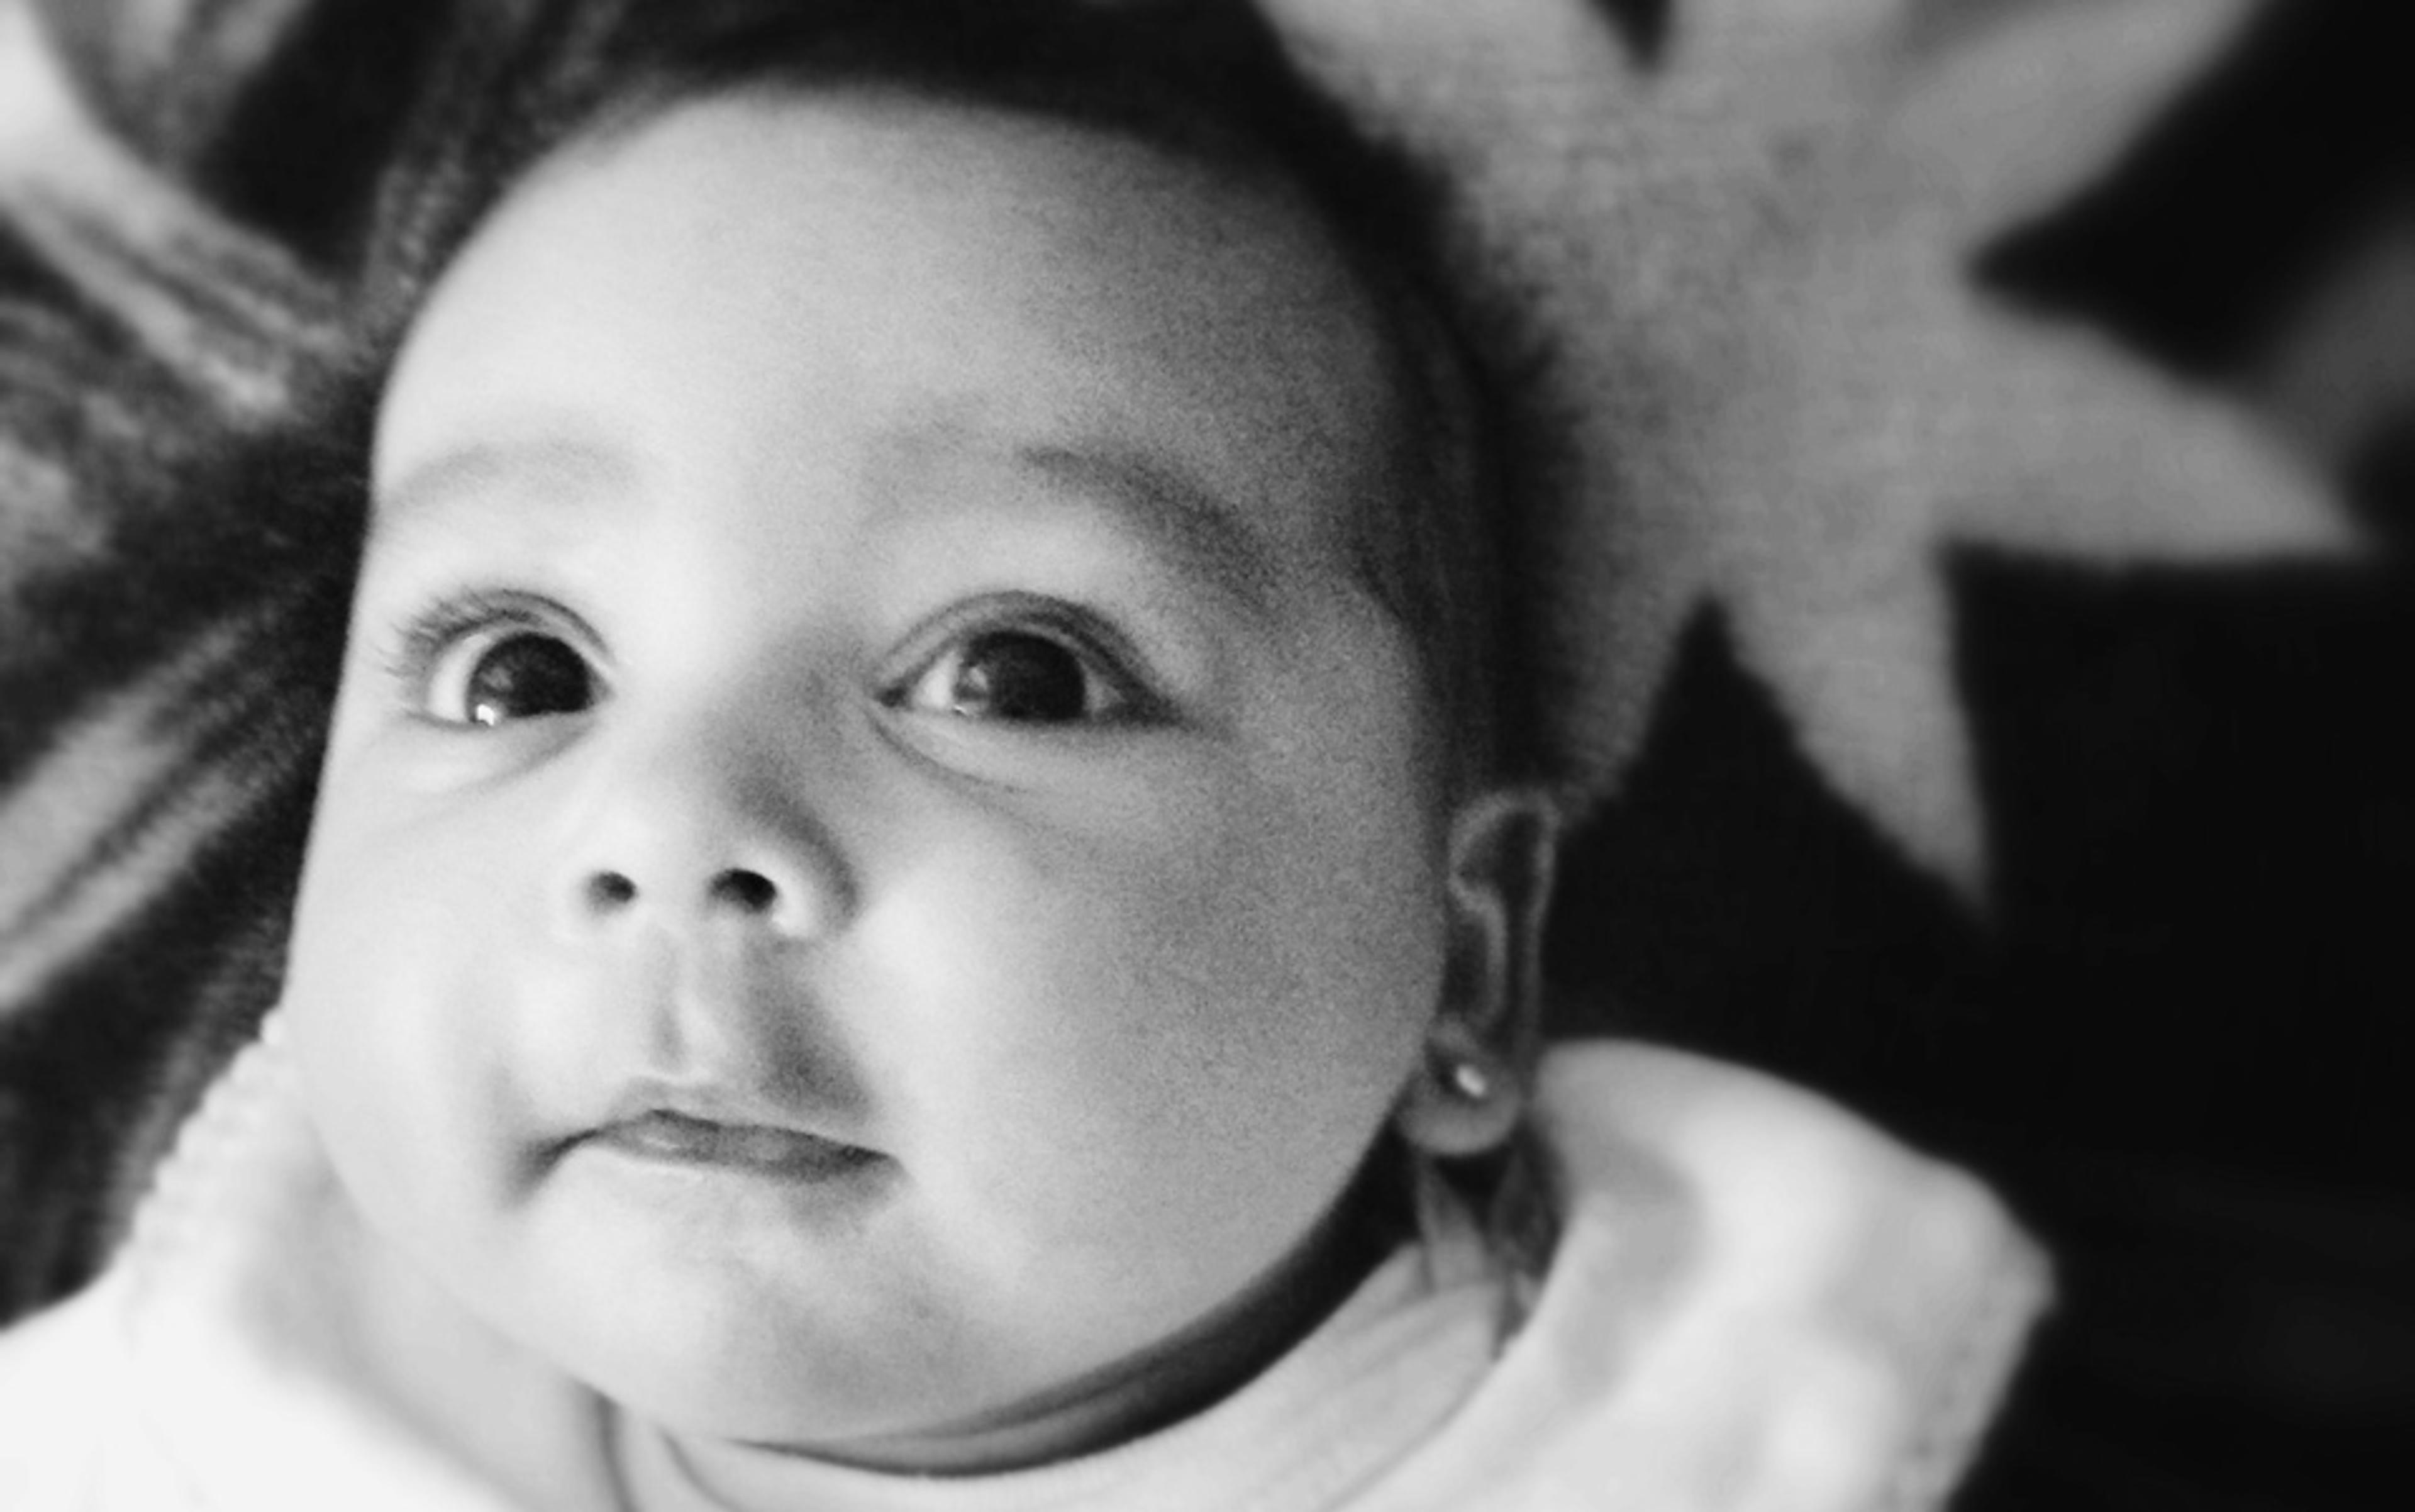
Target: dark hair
1203,79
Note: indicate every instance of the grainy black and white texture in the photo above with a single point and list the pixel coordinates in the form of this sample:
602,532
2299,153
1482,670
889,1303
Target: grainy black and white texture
2143,964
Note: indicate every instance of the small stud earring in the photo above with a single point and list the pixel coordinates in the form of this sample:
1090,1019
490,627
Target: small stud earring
1468,1080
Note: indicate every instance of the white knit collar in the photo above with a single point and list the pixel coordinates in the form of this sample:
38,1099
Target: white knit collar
1756,1301
256,1371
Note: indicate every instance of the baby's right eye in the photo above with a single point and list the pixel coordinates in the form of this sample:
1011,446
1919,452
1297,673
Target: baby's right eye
524,676
496,671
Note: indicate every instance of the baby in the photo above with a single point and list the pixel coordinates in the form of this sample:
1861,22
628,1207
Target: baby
927,881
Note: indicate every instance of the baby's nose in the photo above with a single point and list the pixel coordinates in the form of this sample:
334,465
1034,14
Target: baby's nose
681,840
736,891
796,896
797,900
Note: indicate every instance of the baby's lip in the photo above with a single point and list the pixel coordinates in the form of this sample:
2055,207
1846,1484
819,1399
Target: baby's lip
761,1148
720,1126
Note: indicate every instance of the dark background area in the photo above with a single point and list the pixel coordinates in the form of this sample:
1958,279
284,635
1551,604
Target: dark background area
2177,1040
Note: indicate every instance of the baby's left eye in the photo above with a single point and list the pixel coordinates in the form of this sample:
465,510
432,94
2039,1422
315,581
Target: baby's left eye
1021,676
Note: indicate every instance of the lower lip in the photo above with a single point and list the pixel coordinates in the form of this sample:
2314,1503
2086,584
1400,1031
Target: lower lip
785,1154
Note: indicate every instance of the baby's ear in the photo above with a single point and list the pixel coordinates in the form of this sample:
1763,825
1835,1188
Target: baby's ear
1480,1046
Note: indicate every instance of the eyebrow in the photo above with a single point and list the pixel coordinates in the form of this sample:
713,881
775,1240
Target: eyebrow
546,465
1204,534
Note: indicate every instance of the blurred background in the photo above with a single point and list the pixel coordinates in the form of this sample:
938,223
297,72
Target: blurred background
2181,1043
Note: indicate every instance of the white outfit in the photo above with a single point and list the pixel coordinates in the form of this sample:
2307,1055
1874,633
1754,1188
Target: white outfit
1757,1302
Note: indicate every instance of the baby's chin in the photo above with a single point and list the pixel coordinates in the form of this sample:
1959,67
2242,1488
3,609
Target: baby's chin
978,1403
876,1371
907,1403
865,1363
891,1412
717,1351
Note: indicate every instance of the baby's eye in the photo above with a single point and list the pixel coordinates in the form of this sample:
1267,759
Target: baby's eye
1024,676
497,673
524,676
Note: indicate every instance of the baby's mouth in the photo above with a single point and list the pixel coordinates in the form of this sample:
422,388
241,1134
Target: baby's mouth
679,1138
717,1125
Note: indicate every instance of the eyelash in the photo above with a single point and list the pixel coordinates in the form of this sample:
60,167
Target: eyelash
420,645
1103,653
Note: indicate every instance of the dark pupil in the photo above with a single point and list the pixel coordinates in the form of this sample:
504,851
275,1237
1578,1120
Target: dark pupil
1010,675
527,676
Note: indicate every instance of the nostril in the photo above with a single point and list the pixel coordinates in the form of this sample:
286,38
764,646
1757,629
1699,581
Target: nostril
610,889
749,891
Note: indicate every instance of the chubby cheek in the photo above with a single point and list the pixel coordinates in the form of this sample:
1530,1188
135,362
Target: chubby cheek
1175,1040
395,997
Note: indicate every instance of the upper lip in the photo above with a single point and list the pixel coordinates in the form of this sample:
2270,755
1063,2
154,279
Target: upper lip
734,1105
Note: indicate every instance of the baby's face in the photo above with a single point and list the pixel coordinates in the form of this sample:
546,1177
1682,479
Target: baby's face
875,866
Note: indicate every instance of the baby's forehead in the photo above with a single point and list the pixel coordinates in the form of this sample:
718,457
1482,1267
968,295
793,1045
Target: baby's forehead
842,268
948,496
